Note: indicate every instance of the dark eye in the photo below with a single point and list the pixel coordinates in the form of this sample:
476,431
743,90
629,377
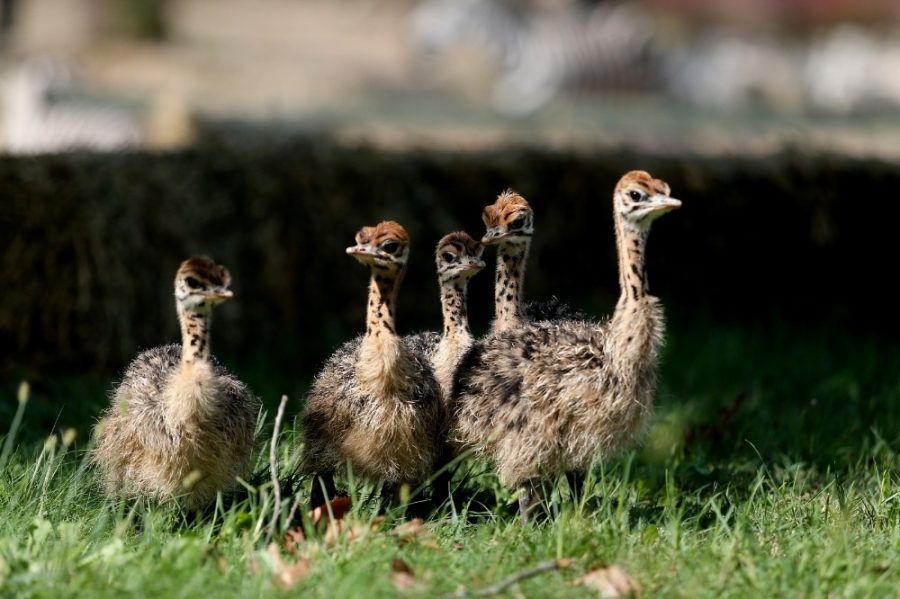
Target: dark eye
448,257
635,195
518,223
193,283
390,247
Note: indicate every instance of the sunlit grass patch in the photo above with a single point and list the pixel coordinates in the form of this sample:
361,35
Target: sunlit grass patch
771,469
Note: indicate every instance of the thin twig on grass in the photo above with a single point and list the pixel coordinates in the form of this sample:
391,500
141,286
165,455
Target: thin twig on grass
273,467
293,511
495,589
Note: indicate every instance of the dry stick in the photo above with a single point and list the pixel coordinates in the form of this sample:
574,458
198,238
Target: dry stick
293,511
556,564
273,467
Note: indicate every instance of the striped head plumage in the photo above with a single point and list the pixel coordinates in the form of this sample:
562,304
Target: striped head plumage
508,220
200,284
384,246
458,256
639,198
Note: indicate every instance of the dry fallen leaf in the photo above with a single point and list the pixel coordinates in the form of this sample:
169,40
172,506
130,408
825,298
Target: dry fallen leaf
287,575
409,530
414,530
402,576
611,582
339,507
350,530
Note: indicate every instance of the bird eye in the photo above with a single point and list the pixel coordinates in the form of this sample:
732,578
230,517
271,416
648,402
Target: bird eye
390,247
518,223
193,283
448,257
635,195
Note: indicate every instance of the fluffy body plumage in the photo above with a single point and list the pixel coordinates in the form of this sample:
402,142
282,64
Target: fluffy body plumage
545,397
179,425
376,403
552,309
392,436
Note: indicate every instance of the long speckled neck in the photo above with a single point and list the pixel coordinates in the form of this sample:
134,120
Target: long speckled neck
380,307
508,286
194,335
637,324
456,338
631,243
383,365
454,308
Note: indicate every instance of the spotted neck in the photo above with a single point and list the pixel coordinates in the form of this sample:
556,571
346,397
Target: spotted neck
508,285
380,308
631,244
194,335
456,338
636,328
454,308
382,366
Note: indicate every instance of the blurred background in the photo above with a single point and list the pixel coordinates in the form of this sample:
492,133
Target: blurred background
266,132
661,75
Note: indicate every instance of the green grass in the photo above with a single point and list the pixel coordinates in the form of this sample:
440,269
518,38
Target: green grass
771,470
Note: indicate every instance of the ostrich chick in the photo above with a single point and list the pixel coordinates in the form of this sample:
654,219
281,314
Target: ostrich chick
458,258
179,425
510,227
376,403
544,398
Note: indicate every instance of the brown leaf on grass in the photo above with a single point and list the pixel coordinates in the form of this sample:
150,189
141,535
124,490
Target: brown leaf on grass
349,529
321,520
339,507
402,576
611,582
414,530
286,575
410,530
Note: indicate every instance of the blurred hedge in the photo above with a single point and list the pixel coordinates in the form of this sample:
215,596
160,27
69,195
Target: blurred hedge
90,242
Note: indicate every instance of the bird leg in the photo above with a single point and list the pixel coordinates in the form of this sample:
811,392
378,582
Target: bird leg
529,497
390,496
576,483
440,486
423,506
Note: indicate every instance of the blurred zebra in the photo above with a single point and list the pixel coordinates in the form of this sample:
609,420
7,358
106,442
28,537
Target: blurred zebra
540,54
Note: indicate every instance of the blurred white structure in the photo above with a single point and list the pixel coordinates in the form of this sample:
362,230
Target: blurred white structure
541,53
851,68
612,46
42,112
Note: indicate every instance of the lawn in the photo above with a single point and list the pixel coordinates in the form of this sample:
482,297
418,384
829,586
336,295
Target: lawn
771,469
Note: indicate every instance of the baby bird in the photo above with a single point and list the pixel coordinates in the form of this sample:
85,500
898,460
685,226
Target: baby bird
179,425
510,227
509,221
376,403
458,258
545,397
